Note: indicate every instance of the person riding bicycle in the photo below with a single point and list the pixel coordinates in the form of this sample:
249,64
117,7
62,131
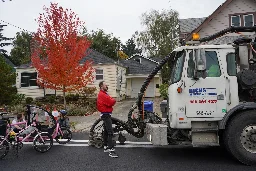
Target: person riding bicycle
19,123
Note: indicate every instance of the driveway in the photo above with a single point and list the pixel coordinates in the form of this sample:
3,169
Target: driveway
121,109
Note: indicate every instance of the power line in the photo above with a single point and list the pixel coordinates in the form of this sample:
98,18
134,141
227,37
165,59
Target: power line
15,26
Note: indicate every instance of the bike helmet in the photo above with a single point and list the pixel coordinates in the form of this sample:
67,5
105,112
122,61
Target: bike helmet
63,112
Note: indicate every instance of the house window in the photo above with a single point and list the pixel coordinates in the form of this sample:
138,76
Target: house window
28,79
242,19
235,20
99,74
138,60
248,20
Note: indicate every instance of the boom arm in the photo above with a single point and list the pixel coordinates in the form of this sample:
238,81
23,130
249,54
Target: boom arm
228,30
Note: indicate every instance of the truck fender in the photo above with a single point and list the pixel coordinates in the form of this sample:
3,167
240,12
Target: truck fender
234,111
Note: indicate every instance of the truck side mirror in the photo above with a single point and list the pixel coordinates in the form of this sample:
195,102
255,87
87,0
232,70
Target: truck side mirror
200,62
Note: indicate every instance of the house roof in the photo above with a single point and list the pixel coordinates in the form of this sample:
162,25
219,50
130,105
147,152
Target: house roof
229,39
208,19
22,66
98,58
153,59
136,68
189,24
157,59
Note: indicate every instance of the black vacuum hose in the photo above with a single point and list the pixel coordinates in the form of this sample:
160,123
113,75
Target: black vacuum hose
139,122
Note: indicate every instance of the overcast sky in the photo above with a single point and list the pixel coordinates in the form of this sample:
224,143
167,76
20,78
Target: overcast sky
120,17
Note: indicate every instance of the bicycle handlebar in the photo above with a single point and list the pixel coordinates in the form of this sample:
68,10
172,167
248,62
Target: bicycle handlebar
3,113
4,116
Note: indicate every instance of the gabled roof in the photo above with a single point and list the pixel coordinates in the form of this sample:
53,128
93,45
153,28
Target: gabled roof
136,68
189,24
150,59
208,19
98,58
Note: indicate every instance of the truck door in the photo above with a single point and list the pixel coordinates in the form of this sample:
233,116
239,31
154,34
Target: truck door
205,97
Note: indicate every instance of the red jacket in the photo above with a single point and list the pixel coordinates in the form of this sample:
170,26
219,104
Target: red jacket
105,103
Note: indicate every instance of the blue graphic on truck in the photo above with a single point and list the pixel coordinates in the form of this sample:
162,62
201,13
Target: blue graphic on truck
202,92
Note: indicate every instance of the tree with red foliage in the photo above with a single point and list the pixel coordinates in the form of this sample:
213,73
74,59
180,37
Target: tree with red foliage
57,51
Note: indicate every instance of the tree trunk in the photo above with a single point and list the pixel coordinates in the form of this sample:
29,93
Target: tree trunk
64,96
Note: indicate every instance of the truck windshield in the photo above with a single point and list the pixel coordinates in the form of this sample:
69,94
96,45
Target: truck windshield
177,67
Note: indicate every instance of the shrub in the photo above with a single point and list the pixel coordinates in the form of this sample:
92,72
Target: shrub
51,99
164,90
82,108
88,92
60,99
72,97
17,108
39,104
29,100
18,98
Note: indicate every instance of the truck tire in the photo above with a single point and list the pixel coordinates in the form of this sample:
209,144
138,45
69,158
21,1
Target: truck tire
240,137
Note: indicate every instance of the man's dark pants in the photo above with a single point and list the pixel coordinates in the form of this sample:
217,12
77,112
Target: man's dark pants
108,131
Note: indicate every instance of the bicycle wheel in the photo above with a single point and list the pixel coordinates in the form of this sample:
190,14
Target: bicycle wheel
4,148
64,137
43,142
96,132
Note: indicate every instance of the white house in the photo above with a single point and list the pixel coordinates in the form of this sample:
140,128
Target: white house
230,13
138,69
124,77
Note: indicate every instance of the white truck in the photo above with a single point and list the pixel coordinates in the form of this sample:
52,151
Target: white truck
211,99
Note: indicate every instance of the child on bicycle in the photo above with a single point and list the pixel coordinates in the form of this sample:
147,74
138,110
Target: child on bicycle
19,123
63,119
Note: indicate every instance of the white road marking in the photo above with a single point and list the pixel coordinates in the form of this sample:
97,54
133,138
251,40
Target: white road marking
127,144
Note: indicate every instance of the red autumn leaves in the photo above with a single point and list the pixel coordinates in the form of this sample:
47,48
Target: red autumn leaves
58,49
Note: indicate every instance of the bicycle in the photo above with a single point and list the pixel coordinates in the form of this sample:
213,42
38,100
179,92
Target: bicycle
30,133
59,131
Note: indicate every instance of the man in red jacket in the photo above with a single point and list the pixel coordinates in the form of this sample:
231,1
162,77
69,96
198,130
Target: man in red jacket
105,105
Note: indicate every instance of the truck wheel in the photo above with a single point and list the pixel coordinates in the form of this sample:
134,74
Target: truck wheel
240,137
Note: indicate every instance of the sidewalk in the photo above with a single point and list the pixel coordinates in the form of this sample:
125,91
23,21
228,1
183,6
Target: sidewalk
121,109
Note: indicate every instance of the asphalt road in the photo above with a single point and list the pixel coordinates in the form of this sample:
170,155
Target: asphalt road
133,156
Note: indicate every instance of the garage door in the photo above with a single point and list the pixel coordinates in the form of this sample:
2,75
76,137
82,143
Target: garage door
136,86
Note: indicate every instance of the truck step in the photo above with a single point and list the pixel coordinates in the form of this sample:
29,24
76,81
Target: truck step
204,138
204,130
203,144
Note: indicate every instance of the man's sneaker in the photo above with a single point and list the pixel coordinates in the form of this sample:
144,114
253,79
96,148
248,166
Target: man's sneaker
113,154
106,149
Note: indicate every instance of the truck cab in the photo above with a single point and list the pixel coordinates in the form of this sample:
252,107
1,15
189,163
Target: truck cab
202,94
211,99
